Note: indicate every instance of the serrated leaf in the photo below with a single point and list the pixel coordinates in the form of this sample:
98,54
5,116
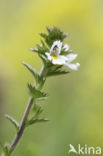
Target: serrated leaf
53,34
32,70
36,93
56,72
37,110
44,59
33,49
34,121
40,49
13,121
42,98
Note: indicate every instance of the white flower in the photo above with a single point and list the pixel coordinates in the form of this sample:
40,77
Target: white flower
56,48
66,47
55,57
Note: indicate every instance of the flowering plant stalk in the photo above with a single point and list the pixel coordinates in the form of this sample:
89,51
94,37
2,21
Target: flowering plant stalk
55,55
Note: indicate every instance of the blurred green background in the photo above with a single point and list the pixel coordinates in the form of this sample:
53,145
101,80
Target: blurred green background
75,104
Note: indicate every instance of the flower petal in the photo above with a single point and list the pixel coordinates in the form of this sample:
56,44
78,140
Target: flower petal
54,61
61,60
57,61
71,57
64,58
48,55
66,47
56,48
73,66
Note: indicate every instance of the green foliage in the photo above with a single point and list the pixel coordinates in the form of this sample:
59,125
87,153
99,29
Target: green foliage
37,94
63,52
53,34
40,49
13,121
33,71
51,70
55,70
37,110
33,110
34,121
5,149
44,60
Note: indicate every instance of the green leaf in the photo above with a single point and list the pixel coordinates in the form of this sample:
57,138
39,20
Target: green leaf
13,121
32,70
37,110
56,72
43,58
63,52
5,149
34,121
53,34
40,49
37,94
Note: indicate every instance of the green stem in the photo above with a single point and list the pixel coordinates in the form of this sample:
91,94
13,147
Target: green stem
43,73
22,125
26,113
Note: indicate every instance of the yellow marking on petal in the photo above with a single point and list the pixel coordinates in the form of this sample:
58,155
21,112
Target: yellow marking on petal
54,56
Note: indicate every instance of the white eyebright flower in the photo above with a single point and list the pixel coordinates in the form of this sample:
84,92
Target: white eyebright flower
57,59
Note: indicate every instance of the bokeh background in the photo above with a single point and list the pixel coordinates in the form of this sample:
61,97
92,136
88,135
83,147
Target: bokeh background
75,104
